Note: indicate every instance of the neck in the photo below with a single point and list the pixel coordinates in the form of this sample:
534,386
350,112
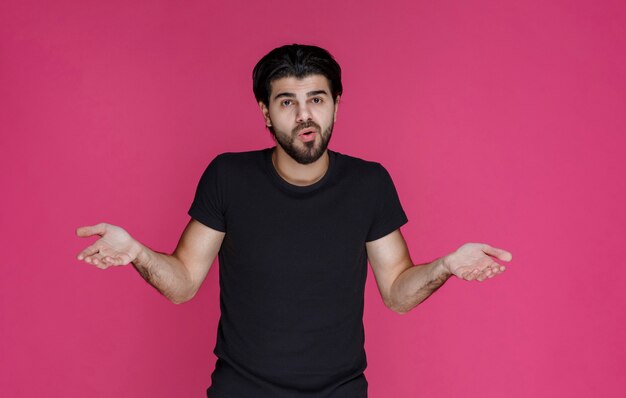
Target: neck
296,173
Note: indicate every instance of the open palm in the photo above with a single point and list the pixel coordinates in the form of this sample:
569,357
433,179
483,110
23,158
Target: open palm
115,247
475,261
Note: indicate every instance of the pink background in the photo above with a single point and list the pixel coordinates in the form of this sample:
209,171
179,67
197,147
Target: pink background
500,122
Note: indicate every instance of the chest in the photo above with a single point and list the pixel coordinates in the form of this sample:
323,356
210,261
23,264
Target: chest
297,244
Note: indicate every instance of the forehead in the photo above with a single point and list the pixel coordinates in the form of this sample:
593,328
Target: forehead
300,85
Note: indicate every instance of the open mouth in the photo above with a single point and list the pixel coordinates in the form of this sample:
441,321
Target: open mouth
307,135
307,132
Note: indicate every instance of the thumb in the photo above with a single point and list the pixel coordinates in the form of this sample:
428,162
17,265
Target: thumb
498,253
98,229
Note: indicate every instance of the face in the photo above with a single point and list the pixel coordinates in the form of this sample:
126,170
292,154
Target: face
301,115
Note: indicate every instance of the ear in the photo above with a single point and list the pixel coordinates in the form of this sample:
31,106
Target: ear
336,108
266,114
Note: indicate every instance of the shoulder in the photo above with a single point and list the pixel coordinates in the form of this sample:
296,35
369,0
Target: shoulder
363,169
227,167
236,158
232,162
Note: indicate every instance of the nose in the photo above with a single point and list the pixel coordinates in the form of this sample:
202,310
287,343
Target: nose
303,114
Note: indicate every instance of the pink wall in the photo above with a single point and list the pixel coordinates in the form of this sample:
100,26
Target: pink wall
501,122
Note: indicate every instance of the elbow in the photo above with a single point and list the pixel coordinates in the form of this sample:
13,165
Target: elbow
395,301
399,310
184,292
183,298
179,300
396,307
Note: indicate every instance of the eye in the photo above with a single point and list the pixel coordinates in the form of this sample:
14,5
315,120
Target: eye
317,100
285,102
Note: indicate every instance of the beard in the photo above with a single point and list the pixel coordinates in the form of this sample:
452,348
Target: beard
310,153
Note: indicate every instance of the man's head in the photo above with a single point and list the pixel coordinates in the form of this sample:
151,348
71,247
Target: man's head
298,89
295,60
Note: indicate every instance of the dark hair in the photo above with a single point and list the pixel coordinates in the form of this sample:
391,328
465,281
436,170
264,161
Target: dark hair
295,60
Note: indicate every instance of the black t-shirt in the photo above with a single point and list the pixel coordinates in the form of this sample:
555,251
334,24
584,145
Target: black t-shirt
292,273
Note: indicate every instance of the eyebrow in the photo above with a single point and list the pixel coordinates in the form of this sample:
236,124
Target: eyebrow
292,95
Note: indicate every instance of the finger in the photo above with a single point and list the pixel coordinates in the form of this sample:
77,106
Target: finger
497,253
90,230
472,275
90,259
113,260
107,260
466,275
123,259
495,269
482,275
98,261
88,251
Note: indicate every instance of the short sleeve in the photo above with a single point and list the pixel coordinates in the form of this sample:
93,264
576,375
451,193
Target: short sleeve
208,203
388,213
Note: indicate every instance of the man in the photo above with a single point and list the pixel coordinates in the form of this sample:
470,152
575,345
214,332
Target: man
294,226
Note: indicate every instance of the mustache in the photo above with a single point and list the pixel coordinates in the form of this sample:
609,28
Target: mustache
306,125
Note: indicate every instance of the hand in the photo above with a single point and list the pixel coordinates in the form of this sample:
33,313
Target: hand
115,247
474,261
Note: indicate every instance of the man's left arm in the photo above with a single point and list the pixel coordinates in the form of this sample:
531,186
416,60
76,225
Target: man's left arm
404,285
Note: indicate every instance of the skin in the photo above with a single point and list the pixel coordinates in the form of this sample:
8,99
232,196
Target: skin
293,103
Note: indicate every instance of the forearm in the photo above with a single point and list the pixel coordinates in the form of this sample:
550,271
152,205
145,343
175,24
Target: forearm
166,273
416,284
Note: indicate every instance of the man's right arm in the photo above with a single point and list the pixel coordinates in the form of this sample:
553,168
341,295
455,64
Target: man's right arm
177,276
